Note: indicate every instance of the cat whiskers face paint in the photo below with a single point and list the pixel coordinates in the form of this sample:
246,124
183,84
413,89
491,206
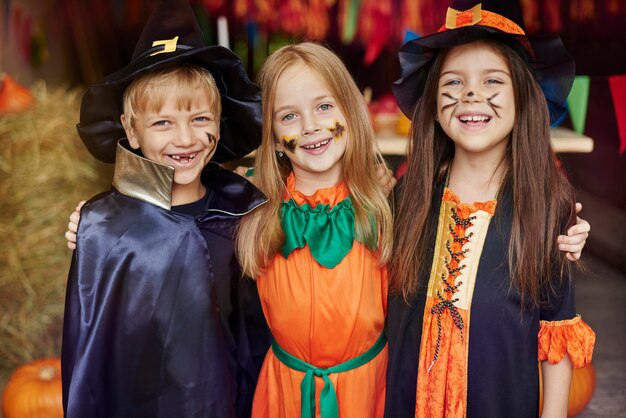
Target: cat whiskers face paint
454,104
212,143
290,143
212,139
494,106
337,130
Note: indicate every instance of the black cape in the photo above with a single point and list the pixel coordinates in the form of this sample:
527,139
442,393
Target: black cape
145,334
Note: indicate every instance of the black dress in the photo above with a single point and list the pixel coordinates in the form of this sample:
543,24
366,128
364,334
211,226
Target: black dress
465,330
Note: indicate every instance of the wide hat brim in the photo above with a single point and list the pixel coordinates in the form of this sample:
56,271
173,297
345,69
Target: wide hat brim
100,127
552,65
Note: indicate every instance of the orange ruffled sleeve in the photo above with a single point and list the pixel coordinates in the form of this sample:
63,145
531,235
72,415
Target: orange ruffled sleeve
573,336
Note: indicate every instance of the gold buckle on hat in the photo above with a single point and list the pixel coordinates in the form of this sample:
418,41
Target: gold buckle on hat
452,15
169,45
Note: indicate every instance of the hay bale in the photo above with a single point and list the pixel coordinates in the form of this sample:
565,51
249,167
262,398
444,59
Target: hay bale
44,171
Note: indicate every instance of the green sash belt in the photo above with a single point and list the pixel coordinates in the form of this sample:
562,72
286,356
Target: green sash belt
328,397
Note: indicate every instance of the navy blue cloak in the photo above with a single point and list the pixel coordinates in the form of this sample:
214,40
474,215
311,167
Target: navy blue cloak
158,321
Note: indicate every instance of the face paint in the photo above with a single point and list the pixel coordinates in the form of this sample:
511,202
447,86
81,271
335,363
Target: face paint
290,143
337,130
454,104
211,138
494,106
449,105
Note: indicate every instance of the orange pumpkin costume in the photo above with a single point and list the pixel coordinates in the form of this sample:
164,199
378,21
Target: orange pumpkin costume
324,316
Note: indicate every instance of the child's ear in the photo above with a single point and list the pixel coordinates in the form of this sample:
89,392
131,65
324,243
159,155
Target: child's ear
278,147
130,132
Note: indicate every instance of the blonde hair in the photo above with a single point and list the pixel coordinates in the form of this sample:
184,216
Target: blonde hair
260,234
147,92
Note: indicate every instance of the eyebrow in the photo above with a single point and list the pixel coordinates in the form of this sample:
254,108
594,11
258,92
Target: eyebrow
487,71
315,99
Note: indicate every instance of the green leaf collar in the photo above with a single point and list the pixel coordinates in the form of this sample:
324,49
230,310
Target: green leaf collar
329,232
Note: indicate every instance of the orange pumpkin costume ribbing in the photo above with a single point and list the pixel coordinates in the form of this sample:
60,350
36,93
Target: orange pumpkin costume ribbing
324,317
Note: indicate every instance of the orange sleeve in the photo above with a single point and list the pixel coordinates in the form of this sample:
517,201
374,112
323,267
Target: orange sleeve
572,336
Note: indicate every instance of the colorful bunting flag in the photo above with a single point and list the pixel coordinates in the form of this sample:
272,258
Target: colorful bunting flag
617,84
374,27
577,102
348,18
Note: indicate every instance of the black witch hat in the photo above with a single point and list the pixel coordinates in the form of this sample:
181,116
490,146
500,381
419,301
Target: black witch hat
470,20
172,36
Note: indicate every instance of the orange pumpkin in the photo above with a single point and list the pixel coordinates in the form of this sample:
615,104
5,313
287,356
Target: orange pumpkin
14,97
34,391
581,389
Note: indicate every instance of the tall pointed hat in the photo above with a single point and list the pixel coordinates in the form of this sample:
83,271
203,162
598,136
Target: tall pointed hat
470,20
172,36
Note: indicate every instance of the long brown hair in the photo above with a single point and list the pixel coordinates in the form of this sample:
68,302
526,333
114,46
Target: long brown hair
543,199
260,234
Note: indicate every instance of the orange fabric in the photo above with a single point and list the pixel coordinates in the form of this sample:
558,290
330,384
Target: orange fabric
490,19
329,196
573,336
442,384
324,317
465,209
444,392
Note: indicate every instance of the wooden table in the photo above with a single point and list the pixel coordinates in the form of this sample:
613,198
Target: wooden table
563,140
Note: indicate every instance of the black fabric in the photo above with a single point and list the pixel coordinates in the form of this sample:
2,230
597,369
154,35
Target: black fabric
158,322
502,361
404,330
193,209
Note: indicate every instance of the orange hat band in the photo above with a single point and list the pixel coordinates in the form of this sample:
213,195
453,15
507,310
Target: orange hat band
476,16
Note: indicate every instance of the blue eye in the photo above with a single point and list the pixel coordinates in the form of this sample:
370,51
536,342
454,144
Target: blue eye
201,119
325,106
452,83
161,123
494,81
288,117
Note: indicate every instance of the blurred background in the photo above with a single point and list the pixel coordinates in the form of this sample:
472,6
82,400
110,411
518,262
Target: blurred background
51,49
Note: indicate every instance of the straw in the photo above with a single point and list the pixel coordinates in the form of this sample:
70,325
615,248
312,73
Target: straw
44,171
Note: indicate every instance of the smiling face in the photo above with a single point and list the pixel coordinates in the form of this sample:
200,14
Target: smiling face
475,100
309,127
181,133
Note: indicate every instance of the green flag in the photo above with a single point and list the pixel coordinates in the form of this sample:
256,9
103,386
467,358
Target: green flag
577,102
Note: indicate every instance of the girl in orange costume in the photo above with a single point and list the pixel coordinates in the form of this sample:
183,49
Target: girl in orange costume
318,247
480,293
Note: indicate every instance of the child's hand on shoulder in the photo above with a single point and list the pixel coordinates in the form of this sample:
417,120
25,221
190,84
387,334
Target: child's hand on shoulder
72,227
385,178
576,238
247,172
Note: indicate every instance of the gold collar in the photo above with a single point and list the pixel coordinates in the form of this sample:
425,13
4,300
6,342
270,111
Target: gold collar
141,178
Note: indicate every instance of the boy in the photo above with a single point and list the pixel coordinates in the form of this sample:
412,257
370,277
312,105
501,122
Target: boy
157,321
